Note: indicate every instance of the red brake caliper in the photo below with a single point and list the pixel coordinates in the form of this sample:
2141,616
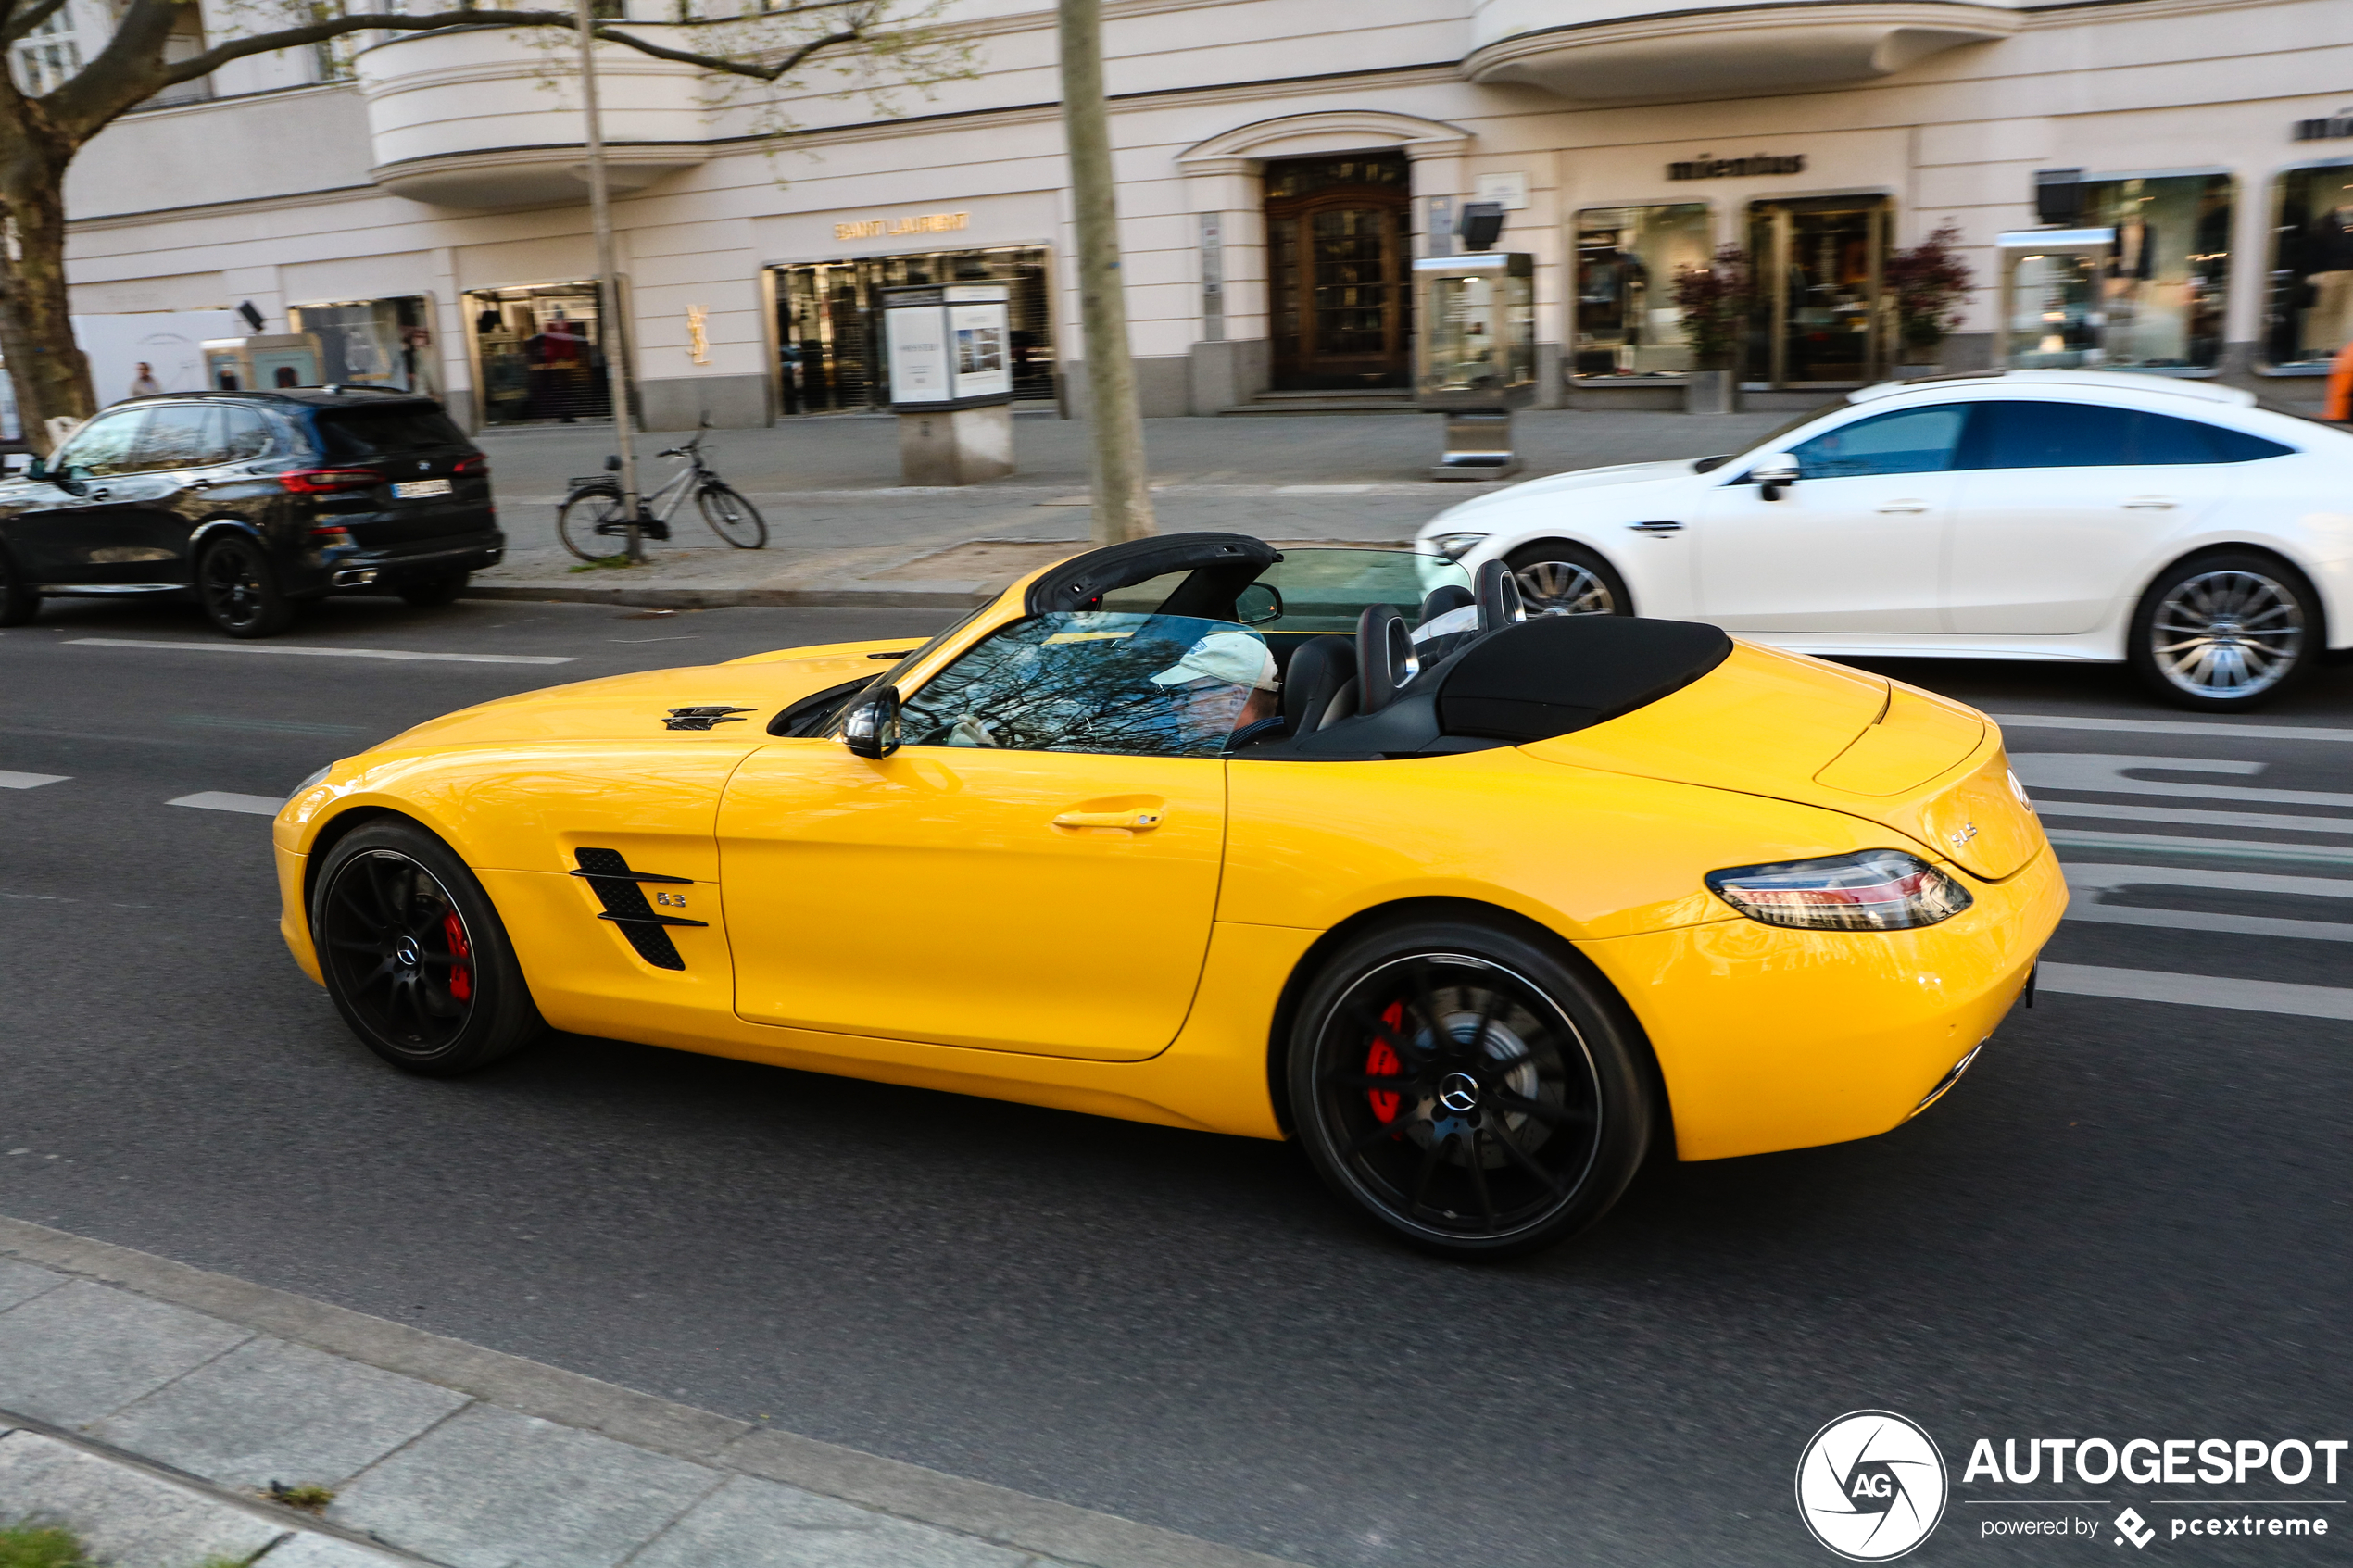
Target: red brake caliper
462,975
1381,1062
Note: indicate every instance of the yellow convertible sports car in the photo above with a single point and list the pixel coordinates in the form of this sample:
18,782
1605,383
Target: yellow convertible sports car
1476,905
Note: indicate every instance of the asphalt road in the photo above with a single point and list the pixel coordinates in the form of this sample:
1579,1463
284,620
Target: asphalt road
2129,1219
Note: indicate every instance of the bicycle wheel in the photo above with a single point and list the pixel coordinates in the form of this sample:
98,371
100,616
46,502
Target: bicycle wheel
732,518
593,524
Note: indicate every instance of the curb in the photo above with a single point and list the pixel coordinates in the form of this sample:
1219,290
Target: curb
734,598
1063,1532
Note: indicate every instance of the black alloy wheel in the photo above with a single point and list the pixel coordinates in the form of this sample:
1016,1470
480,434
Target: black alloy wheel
431,593
239,589
2225,632
593,524
732,518
19,600
1563,579
415,956
1468,1089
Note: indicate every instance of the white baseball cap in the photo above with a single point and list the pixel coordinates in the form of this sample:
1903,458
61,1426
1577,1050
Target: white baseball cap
1236,657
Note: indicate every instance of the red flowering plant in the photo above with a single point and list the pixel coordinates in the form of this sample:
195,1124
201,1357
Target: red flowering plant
1928,283
1714,302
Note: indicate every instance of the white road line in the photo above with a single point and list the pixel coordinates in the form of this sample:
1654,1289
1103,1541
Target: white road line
2208,848
2091,773
2197,990
2089,881
222,801
2168,727
2275,821
30,781
324,653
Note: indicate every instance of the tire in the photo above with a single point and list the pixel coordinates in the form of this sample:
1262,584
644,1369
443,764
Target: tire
431,593
19,600
1563,579
239,589
1518,1129
583,513
414,955
732,518
2227,631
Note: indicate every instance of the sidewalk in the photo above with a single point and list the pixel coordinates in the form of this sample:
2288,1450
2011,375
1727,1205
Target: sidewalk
843,530
152,1406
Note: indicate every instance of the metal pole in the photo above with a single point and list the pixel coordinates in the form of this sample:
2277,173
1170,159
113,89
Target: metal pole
1122,499
608,278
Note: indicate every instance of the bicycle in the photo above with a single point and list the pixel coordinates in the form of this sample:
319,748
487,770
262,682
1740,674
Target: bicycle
592,510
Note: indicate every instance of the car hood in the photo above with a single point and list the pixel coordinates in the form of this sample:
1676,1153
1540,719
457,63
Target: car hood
637,707
1617,474
1792,728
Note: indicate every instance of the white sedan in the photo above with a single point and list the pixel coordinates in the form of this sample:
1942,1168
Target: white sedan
2019,514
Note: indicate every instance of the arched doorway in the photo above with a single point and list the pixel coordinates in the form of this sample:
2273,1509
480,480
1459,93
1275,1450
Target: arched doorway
1339,255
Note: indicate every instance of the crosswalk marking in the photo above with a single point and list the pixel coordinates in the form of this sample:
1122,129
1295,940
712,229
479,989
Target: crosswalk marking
2204,848
2170,727
2099,772
2197,990
2274,821
30,781
2088,882
222,801
322,653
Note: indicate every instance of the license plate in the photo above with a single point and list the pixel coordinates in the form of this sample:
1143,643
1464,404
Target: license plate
418,489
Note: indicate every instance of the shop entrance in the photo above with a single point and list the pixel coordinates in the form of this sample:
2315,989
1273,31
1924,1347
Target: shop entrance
1338,251
1818,262
541,353
828,324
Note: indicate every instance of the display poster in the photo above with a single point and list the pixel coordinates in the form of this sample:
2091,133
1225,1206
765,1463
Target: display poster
918,345
984,362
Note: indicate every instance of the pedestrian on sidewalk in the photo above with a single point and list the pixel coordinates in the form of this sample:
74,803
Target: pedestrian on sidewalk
145,384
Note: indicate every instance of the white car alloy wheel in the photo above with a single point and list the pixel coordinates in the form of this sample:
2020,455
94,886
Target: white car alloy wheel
2227,634
1557,579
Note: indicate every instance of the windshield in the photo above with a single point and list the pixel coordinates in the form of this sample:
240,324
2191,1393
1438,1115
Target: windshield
1322,588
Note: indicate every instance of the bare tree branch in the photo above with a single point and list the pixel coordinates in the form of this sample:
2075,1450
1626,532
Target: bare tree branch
20,24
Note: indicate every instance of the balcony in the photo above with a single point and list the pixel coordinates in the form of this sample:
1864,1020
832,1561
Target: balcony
485,117
1599,51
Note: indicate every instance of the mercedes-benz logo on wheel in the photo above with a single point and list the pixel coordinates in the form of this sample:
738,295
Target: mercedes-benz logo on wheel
1871,1486
1458,1092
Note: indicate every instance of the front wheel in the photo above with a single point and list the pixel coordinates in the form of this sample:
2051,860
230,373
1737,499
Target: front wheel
593,524
1466,1088
2225,632
1562,579
414,955
239,590
732,518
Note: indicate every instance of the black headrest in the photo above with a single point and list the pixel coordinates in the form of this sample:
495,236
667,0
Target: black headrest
1561,673
1446,597
1318,672
1499,599
1386,658
1080,581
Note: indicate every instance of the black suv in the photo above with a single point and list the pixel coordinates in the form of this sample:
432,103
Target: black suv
255,500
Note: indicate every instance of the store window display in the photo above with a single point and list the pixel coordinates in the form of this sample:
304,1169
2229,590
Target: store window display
2311,304
2162,293
1627,258
386,343
541,354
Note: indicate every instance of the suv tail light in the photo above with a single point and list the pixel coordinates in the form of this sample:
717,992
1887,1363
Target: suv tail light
480,465
320,481
1870,890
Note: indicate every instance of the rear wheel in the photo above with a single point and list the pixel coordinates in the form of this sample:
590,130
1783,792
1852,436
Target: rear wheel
239,589
732,518
415,956
431,593
593,524
1468,1089
2225,632
19,601
1562,579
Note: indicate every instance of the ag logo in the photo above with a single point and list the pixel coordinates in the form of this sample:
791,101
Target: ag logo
1871,1485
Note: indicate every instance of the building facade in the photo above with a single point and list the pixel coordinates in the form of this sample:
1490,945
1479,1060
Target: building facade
2150,184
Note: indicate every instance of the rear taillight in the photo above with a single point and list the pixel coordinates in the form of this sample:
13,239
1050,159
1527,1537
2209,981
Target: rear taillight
321,481
1871,890
476,465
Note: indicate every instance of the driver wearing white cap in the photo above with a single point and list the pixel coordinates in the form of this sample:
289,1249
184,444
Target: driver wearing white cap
1225,683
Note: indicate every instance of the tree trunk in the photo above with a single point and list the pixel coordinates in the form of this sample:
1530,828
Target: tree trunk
1123,501
51,376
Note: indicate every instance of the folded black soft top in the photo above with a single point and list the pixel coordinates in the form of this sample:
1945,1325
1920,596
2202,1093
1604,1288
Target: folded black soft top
1557,673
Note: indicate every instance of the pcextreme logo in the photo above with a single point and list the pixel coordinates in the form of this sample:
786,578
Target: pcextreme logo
1871,1486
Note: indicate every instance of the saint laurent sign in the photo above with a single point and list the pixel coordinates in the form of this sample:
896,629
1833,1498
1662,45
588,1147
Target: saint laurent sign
928,223
1705,168
2337,128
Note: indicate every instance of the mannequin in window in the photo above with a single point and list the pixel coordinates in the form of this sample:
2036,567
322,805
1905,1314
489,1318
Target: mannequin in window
2328,320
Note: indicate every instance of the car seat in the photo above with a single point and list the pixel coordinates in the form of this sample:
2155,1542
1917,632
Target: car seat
1320,686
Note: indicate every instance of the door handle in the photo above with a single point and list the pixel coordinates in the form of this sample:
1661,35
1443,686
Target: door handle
1133,820
97,494
2151,504
1904,507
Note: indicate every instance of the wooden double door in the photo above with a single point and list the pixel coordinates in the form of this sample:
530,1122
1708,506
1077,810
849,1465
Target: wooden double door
1340,249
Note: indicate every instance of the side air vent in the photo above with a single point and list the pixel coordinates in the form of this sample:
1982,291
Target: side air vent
606,870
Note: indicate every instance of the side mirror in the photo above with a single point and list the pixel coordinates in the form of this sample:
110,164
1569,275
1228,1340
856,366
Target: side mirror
1257,604
870,728
1774,474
